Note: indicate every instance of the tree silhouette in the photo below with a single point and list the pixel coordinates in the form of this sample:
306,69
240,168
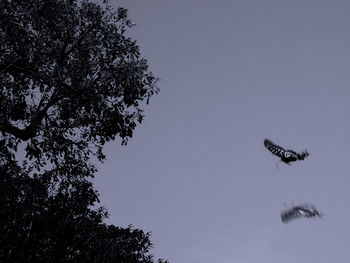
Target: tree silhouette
37,226
70,81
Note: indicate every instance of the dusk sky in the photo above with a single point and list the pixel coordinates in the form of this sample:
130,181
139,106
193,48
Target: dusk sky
232,73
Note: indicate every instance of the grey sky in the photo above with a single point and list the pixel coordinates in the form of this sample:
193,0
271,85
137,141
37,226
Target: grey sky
196,173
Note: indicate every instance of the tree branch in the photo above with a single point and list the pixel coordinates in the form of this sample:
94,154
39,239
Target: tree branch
31,130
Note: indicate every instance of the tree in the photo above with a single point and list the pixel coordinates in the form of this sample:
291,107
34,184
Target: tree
70,81
36,226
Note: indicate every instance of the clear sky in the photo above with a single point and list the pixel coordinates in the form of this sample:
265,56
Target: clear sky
196,172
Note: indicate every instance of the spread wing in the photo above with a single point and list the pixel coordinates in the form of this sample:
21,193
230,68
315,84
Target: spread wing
290,215
275,149
295,212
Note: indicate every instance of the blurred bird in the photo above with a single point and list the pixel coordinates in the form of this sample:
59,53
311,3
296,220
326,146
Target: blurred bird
304,210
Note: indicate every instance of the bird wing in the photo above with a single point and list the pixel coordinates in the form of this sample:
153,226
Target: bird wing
290,214
308,210
305,210
274,148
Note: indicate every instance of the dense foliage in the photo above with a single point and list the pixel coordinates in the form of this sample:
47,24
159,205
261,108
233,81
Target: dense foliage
36,226
70,81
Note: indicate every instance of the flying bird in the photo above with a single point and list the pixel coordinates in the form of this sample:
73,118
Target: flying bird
304,210
286,156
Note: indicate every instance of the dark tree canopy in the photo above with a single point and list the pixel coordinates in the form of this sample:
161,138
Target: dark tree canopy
70,81
36,226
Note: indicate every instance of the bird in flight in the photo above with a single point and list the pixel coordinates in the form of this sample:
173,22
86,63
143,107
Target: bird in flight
286,156
304,210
